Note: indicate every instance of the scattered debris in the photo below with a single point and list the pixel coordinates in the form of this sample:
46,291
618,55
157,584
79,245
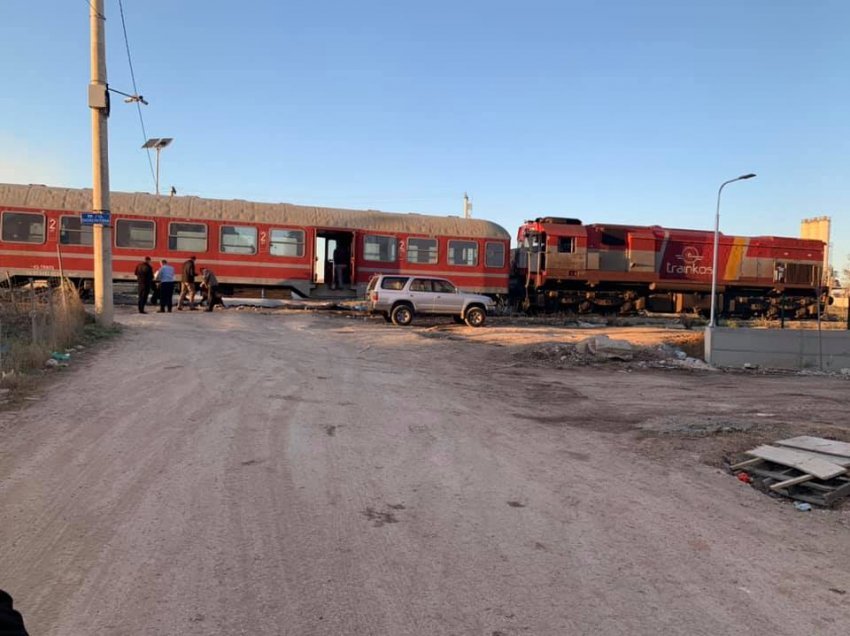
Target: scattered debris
811,470
696,425
802,506
605,347
60,357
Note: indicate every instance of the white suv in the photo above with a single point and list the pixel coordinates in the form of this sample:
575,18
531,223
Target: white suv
398,298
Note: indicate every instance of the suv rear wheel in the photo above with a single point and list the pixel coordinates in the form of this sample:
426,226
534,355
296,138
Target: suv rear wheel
402,315
475,316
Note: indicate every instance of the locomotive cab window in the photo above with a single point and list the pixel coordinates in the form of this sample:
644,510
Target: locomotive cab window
187,237
464,253
287,243
23,227
422,250
566,245
238,239
73,232
379,248
494,255
139,235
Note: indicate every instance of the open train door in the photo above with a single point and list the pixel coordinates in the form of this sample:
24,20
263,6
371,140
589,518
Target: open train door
334,247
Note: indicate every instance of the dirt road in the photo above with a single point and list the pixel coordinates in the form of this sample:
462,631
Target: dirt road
241,473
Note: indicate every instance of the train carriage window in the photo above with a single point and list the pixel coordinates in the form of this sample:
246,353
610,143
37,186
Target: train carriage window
287,243
23,227
566,245
140,235
463,253
422,250
494,254
73,232
380,248
187,237
238,239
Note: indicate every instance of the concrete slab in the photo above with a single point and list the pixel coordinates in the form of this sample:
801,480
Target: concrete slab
827,350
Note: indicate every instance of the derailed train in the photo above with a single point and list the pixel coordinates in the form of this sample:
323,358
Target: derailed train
558,263
562,263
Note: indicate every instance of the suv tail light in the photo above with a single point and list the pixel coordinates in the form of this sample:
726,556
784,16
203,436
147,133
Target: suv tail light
374,296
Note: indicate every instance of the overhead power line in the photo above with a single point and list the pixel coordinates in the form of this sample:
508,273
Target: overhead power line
135,88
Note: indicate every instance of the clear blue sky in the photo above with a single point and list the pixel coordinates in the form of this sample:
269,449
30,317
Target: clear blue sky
618,111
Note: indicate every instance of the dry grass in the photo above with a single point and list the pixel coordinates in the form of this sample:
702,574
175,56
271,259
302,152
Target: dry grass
34,323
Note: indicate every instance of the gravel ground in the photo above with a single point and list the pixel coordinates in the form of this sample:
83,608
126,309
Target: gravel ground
299,473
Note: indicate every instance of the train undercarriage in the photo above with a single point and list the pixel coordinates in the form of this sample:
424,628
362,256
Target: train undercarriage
742,303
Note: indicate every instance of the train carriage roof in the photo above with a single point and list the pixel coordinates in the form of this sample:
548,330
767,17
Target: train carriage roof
141,204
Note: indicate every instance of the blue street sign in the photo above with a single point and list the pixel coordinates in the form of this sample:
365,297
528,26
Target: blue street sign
94,218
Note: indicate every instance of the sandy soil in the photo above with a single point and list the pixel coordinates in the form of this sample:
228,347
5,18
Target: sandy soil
294,473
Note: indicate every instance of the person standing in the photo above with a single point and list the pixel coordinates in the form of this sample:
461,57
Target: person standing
166,286
155,293
210,284
187,284
340,259
144,277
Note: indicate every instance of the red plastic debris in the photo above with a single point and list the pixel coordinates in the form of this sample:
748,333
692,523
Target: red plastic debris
744,477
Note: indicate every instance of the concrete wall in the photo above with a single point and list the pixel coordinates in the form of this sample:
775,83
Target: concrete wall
778,348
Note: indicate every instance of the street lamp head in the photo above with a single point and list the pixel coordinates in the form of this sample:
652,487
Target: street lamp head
747,176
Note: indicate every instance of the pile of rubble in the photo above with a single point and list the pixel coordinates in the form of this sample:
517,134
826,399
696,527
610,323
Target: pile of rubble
603,349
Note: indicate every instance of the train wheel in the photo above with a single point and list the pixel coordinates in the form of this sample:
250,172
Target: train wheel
402,315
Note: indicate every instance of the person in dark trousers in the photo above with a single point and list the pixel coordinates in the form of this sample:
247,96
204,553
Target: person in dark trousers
340,259
187,284
210,284
155,292
11,621
144,276
166,286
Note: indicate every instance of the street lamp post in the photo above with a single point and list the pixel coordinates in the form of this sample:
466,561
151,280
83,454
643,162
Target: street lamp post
712,322
157,144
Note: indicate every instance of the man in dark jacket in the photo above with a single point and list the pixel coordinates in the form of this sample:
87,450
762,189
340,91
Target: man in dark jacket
187,284
144,276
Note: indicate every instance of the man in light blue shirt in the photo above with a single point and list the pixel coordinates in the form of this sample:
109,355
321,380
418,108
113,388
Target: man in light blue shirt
166,286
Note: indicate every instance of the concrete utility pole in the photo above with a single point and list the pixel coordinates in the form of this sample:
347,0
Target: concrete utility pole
99,104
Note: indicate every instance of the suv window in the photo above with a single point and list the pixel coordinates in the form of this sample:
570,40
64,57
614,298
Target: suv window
420,285
444,287
393,282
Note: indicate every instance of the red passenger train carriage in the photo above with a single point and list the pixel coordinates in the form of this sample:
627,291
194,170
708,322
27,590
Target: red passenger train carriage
247,244
563,263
